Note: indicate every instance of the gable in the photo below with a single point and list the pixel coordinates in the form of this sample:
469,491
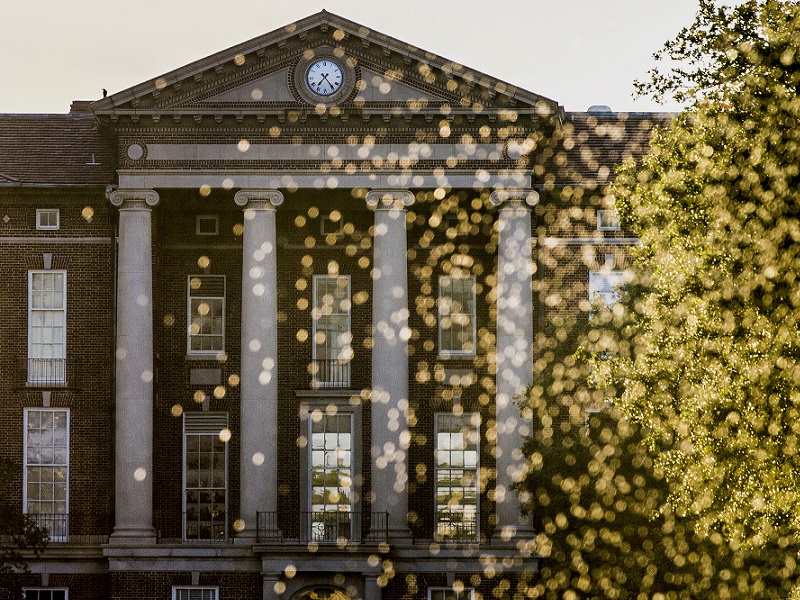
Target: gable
264,75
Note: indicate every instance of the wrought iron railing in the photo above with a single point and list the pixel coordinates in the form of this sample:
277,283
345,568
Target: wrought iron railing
57,526
458,531
326,527
332,373
190,526
45,372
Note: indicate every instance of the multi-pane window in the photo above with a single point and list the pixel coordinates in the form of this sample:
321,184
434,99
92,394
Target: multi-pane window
332,338
205,476
46,474
206,333
45,594
331,461
47,218
47,324
604,285
457,475
195,593
457,315
450,594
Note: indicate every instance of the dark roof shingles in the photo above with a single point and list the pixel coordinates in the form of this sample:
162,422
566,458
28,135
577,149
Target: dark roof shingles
54,149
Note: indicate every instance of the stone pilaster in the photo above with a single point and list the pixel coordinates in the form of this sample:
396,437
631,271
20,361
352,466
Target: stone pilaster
259,369
133,520
514,350
390,335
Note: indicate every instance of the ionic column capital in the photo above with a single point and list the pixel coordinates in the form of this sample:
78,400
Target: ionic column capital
134,198
263,199
389,199
514,197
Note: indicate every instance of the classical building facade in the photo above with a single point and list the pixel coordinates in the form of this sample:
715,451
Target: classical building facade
264,319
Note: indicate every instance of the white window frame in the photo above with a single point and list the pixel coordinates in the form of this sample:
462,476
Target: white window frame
46,213
444,314
177,589
25,591
201,218
210,424
467,593
605,283
607,219
474,420
190,335
51,375
319,525
41,518
343,347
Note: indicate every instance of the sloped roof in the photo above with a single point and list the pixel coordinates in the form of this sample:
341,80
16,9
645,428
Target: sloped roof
586,148
53,149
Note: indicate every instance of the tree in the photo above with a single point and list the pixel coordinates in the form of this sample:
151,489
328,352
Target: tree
21,537
706,346
599,504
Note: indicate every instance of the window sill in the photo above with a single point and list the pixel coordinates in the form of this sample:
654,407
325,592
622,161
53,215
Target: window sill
217,357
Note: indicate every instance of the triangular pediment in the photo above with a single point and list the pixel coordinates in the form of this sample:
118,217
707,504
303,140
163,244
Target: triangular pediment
262,76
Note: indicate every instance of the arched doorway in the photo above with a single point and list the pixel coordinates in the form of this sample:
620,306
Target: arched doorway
321,592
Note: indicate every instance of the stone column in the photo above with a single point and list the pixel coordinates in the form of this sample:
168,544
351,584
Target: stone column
514,349
372,591
390,335
259,375
133,519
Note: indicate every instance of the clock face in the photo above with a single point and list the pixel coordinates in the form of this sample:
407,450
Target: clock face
324,77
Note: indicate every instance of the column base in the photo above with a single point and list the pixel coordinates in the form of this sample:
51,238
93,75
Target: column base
132,536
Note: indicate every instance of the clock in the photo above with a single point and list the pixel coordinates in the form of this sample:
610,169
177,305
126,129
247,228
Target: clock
324,77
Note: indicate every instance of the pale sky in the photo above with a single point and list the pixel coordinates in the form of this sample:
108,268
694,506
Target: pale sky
577,52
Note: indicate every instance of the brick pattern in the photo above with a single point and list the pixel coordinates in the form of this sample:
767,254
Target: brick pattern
158,584
89,350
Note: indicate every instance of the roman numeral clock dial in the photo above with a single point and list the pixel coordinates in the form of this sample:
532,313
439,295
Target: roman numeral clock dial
324,77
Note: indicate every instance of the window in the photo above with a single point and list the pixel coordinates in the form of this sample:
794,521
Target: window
206,332
45,593
46,474
195,593
450,594
331,460
205,471
457,316
607,220
47,218
47,321
331,331
604,284
206,225
457,476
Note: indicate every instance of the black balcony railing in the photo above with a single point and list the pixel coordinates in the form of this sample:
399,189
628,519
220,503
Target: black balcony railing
57,526
45,372
333,373
327,527
173,526
458,531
